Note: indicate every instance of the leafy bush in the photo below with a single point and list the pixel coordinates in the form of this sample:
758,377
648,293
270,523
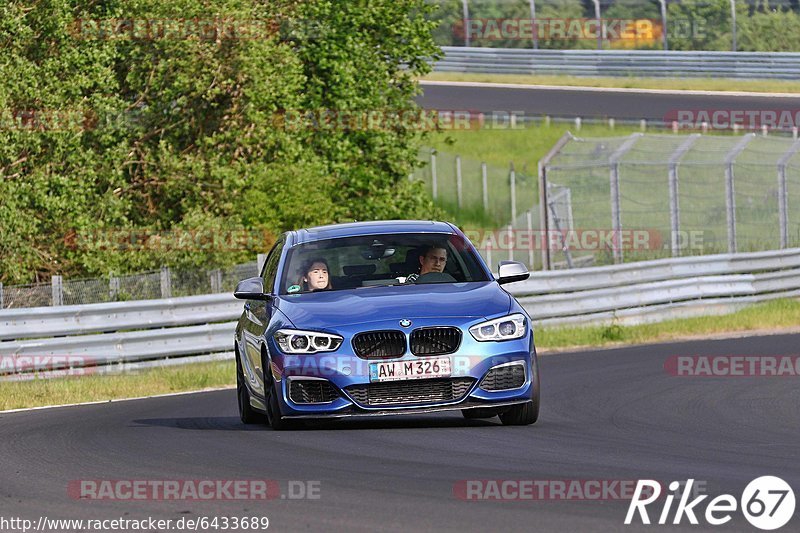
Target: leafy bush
168,133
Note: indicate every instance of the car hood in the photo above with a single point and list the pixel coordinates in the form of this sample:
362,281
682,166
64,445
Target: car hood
373,304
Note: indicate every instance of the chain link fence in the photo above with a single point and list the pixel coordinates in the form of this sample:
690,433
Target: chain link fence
626,198
652,196
164,283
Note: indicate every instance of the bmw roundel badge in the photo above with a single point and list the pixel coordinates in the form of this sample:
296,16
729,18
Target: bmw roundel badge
405,323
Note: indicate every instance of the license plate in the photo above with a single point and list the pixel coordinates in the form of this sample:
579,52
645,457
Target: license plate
423,368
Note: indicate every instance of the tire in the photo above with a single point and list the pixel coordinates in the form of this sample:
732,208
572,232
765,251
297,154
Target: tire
274,419
247,414
521,415
273,415
475,414
528,412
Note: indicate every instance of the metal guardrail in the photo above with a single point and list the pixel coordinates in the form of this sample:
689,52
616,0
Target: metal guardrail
135,332
750,65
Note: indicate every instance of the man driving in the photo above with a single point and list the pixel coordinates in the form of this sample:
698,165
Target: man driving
432,259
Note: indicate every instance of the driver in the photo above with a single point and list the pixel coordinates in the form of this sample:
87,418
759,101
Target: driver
432,259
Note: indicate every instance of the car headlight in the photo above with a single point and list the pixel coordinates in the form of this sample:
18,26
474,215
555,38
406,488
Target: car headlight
500,329
299,341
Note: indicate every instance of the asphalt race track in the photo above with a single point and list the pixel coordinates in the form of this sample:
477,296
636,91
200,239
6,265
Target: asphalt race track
606,415
591,104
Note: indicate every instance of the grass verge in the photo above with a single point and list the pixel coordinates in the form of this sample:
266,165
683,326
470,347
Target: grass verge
761,318
91,388
764,317
681,84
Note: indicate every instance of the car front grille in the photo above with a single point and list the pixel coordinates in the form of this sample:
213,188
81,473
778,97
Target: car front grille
379,344
410,392
435,341
312,391
504,378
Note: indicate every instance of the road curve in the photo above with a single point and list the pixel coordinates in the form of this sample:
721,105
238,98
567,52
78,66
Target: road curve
593,103
607,415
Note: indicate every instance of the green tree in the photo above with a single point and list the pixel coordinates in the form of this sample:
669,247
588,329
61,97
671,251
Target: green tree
168,132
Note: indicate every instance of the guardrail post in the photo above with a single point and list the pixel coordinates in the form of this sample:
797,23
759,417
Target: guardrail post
216,280
512,178
57,290
434,184
458,180
543,202
730,192
674,206
113,287
485,184
616,213
783,206
166,282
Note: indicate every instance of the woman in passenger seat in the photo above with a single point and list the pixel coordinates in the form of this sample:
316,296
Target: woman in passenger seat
315,275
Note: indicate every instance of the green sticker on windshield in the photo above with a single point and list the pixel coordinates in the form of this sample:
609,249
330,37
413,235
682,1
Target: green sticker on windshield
293,288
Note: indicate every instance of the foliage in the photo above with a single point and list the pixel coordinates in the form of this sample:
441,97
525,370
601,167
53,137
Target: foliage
183,131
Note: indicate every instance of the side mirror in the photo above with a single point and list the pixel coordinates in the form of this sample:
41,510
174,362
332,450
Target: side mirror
251,289
511,271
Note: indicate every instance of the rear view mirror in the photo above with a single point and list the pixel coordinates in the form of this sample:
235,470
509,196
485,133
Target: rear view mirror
511,271
251,289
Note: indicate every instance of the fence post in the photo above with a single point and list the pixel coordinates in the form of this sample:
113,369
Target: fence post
664,22
216,281
616,213
465,21
166,282
57,290
485,184
543,216
262,258
113,287
510,229
434,184
458,180
2,298
531,243
730,192
535,34
783,205
512,177
674,207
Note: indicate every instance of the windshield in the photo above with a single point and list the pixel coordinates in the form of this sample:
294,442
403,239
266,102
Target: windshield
380,260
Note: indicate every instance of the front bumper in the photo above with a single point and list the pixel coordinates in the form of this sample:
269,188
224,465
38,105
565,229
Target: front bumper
348,373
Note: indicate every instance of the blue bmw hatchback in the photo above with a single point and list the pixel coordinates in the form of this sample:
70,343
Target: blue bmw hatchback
383,318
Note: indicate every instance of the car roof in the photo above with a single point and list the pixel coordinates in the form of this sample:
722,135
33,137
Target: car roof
354,229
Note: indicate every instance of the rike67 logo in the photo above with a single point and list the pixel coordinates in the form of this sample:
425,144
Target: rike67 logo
767,502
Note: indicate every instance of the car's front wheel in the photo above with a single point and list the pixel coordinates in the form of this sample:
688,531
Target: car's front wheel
247,414
521,415
528,412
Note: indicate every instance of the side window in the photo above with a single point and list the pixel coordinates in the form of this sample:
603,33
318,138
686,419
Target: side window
271,266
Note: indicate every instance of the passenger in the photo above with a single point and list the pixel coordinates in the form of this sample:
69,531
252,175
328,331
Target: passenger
432,259
315,276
